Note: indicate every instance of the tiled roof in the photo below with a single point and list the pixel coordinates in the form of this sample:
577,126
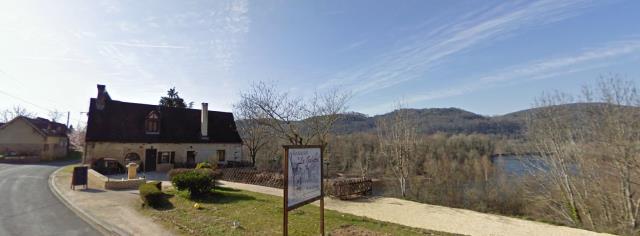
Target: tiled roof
125,122
46,127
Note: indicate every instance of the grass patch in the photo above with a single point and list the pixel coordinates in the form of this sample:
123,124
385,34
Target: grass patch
71,156
69,169
260,214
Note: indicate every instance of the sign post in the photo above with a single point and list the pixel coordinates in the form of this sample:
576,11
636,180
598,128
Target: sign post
302,180
79,177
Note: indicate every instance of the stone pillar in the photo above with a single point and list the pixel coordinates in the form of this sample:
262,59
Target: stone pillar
132,170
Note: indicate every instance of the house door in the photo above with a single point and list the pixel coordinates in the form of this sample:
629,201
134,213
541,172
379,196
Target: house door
150,159
221,156
191,157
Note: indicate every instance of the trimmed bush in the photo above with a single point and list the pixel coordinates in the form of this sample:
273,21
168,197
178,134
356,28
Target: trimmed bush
177,171
158,184
198,182
151,195
213,173
204,165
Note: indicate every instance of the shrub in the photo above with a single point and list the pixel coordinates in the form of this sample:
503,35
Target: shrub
213,173
158,184
197,182
205,165
151,195
177,171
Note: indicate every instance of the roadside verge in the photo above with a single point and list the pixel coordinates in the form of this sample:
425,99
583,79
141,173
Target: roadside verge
110,212
100,225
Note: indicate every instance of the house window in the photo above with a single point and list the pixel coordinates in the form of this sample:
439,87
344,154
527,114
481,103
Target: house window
152,123
166,157
221,155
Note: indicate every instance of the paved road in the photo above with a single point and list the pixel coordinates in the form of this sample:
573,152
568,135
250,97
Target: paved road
27,206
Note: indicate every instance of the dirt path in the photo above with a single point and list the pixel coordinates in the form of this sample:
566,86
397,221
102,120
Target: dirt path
433,217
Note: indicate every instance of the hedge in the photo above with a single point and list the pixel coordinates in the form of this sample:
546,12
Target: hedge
205,165
198,182
213,173
151,195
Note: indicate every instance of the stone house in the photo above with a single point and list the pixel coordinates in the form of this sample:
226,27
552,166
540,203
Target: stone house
36,138
157,137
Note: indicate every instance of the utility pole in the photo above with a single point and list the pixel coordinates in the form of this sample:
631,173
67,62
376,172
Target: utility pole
68,115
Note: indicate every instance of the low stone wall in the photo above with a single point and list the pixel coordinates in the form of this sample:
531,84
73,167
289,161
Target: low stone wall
101,181
20,159
164,167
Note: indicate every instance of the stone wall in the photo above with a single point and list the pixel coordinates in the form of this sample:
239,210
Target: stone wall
57,147
101,181
164,167
204,151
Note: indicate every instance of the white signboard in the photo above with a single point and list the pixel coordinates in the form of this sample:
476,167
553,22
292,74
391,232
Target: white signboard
304,175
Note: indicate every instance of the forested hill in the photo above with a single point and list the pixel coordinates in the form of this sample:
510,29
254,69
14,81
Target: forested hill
450,120
432,120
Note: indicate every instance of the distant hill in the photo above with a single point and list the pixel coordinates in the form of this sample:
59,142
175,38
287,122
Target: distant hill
451,120
432,120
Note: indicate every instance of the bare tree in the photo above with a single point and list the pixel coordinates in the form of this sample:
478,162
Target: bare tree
589,174
77,138
556,136
5,115
398,137
55,115
324,111
615,134
254,135
9,114
293,119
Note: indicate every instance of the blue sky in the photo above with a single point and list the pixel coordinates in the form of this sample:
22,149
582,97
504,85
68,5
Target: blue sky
487,57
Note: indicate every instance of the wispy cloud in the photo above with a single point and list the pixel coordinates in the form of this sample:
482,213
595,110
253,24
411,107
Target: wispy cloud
55,59
232,28
540,69
145,45
353,45
415,58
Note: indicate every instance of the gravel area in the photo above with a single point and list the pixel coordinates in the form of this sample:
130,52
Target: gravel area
432,217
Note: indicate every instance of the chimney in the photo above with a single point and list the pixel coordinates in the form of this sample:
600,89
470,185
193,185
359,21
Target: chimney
101,89
204,120
102,97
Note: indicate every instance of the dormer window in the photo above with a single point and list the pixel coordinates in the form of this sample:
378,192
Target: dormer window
152,123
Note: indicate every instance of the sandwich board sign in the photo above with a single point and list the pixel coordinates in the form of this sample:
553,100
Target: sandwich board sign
303,180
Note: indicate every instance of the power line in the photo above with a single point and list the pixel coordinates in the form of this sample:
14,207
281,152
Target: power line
33,104
16,82
16,97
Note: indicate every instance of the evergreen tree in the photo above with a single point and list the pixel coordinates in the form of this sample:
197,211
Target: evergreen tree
172,99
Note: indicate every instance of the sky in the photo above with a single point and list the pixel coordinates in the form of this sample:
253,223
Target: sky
488,57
